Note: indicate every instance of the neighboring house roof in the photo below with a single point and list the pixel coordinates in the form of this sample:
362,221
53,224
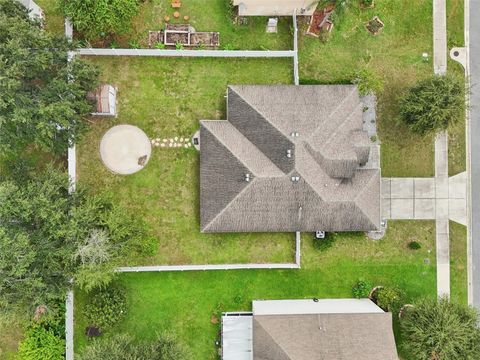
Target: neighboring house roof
326,182
324,337
275,7
309,329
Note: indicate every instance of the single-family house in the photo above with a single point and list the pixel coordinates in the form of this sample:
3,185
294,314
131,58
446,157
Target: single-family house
325,329
289,158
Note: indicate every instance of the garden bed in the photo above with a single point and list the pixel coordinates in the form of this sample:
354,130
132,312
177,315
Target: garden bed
375,26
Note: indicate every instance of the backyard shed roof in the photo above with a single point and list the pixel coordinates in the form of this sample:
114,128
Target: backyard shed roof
104,97
289,158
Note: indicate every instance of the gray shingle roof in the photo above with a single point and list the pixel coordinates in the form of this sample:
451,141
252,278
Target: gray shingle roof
324,337
333,191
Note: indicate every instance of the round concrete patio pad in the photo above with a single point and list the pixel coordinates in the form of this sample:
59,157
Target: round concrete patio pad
125,149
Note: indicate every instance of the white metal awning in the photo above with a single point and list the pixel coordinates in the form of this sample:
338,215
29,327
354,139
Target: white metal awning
237,337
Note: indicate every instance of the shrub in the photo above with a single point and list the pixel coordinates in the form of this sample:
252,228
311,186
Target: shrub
389,298
325,243
433,103
439,329
122,347
361,289
179,46
414,245
98,18
105,307
159,46
367,3
367,82
40,344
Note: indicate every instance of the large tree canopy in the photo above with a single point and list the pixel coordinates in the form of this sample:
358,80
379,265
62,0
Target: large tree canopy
48,237
433,103
441,330
43,94
99,18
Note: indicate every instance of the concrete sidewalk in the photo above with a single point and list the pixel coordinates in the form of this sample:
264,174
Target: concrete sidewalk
441,154
439,37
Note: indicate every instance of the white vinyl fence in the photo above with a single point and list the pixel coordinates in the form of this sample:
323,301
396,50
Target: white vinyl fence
35,10
295,49
188,53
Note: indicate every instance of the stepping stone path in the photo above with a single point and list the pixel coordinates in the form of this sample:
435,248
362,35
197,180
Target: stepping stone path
174,142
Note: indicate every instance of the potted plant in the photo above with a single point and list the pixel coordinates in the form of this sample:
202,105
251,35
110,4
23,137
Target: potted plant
373,293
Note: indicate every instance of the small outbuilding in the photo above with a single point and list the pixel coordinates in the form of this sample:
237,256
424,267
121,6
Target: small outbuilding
105,98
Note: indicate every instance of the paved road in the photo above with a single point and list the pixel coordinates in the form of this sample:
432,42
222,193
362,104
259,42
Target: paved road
475,146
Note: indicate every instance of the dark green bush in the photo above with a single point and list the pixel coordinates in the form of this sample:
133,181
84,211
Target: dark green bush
105,307
41,344
361,289
414,245
441,330
325,243
433,103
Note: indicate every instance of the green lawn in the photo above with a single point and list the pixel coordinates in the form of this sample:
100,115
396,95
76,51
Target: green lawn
10,335
456,134
167,98
185,302
54,20
458,262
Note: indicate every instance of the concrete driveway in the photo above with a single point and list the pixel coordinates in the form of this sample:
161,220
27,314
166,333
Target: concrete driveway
425,198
